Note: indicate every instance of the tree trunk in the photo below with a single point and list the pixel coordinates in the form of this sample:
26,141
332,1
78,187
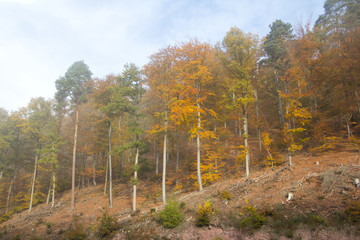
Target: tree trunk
1,173
357,96
53,189
177,156
281,112
33,182
135,178
164,160
106,175
48,195
246,145
10,193
257,119
198,145
110,168
94,169
157,162
74,161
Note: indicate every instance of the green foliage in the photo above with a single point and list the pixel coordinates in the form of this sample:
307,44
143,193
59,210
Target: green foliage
107,226
225,195
352,213
171,216
76,231
204,213
251,220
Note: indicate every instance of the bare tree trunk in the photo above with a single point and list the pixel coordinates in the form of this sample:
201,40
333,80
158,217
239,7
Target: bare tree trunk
74,161
110,168
258,118
135,178
164,160
177,156
48,195
157,162
198,145
53,189
1,173
94,169
281,112
10,193
33,182
106,175
246,145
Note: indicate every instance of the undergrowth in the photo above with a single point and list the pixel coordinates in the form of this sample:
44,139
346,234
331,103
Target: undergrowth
171,216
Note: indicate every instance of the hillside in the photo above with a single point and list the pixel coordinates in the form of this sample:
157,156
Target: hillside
325,205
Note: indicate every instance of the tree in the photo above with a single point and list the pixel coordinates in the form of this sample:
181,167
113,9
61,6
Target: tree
159,73
240,62
132,75
275,47
73,86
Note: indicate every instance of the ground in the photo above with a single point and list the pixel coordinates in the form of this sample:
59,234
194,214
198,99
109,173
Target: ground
321,185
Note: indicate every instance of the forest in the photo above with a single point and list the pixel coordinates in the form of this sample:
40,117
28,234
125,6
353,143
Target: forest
196,113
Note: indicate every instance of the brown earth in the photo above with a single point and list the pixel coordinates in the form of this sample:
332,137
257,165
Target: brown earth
320,184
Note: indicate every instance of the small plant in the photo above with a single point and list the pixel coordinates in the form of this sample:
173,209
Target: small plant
107,225
314,220
182,205
252,220
225,195
352,213
76,232
171,216
49,227
203,214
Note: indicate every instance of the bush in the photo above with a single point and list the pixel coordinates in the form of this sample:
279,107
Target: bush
252,219
352,213
225,195
171,216
203,214
107,226
76,232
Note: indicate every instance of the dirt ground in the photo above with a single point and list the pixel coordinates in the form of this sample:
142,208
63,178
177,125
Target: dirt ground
321,184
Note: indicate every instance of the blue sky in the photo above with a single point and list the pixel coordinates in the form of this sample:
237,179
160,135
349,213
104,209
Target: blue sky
40,39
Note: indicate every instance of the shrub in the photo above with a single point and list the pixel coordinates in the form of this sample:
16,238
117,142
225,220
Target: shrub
76,232
203,214
252,219
225,195
171,216
107,225
352,213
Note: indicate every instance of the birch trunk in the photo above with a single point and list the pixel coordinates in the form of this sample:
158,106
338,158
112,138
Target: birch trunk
198,146
135,178
74,161
164,160
246,145
53,189
106,175
110,168
9,194
33,183
48,195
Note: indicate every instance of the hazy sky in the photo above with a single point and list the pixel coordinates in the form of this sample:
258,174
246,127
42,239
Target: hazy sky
40,39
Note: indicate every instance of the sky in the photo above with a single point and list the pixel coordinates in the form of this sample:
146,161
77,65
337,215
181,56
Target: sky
40,39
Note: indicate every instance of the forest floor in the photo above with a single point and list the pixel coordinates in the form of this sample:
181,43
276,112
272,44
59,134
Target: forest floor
325,205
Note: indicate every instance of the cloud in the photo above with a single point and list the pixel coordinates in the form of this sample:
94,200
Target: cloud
41,39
